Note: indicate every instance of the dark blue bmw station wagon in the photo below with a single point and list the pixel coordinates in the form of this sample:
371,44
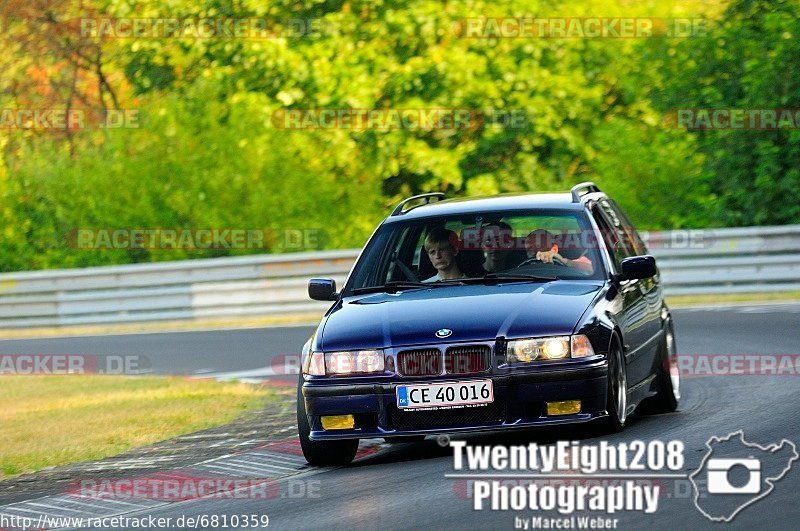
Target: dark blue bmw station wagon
488,314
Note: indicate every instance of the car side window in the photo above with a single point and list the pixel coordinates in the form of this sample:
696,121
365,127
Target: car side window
624,235
405,252
633,236
613,235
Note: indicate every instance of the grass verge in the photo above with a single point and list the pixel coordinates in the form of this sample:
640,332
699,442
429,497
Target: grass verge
55,420
685,300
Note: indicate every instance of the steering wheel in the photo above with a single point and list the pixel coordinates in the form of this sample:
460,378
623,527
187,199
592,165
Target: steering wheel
536,260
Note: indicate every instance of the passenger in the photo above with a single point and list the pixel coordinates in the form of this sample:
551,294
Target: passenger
542,245
441,249
496,241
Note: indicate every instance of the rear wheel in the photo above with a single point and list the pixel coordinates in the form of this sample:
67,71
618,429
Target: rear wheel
617,393
668,378
322,453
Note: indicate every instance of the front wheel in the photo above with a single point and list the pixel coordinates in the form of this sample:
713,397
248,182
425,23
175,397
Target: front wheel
322,453
617,393
668,378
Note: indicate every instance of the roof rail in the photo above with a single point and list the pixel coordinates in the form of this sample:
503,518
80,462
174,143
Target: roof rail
589,186
427,197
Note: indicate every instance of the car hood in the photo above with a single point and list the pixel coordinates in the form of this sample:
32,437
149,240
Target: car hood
472,312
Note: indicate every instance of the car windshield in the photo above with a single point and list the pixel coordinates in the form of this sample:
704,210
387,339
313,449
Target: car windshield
490,247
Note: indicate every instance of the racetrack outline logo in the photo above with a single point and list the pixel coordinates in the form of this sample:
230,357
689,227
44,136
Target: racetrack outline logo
768,479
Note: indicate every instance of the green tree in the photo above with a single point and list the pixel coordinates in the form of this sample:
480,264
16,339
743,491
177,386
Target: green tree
748,61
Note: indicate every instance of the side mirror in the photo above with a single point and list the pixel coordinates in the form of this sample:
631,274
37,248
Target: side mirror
322,289
638,267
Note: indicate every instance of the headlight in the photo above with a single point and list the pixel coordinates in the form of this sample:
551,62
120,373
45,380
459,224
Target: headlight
345,362
548,348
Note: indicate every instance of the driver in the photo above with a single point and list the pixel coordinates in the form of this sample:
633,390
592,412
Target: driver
440,244
542,245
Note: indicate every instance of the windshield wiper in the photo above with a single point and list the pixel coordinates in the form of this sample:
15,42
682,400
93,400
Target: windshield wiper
395,285
514,276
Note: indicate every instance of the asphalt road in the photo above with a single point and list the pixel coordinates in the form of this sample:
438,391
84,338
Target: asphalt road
404,486
181,353
748,329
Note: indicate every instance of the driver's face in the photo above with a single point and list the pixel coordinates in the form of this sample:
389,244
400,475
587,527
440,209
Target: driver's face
442,255
538,242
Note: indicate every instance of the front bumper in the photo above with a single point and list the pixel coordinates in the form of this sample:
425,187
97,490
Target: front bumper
519,401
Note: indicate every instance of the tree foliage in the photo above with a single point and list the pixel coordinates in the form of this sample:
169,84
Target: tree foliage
209,152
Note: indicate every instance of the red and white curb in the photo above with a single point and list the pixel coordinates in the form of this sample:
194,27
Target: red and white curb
274,462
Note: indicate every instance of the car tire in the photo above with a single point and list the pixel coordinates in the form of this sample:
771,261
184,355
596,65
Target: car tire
402,440
322,453
617,391
668,378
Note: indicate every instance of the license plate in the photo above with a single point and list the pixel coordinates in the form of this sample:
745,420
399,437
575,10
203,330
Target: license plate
445,394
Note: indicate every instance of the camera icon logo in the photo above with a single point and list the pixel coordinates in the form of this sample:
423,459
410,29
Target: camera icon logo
734,474
718,476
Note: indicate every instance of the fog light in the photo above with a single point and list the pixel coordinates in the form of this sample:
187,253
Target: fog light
566,407
338,422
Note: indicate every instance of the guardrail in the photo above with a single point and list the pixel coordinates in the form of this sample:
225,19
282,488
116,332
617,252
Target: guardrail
708,261
740,260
